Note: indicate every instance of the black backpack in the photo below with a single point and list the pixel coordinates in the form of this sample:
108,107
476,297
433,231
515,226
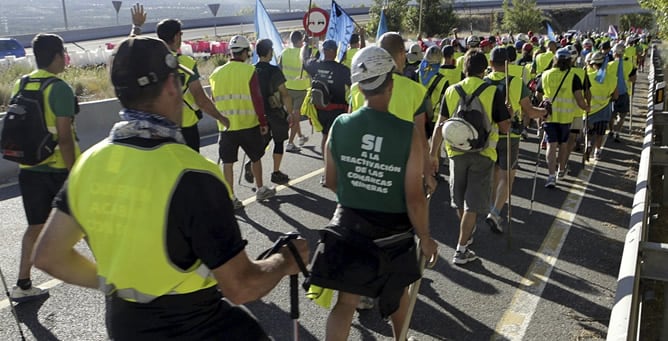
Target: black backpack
471,112
320,95
25,137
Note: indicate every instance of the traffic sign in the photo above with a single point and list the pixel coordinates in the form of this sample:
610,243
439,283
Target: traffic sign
214,9
316,21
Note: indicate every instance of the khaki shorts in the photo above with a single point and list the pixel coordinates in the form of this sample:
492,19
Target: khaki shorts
471,182
577,125
297,99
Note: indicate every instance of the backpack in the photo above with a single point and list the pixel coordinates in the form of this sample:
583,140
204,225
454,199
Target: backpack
25,137
471,115
320,95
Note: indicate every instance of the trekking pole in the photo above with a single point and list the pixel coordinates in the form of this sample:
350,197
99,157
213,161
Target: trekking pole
508,161
286,240
535,173
587,151
243,169
16,316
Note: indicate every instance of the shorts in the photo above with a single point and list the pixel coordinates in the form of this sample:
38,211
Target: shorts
278,127
250,140
621,105
471,182
326,119
577,125
297,99
598,128
502,152
557,132
602,115
37,191
191,136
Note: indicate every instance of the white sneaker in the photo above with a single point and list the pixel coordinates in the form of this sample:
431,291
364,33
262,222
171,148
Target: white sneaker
301,140
265,192
366,303
494,222
19,295
292,148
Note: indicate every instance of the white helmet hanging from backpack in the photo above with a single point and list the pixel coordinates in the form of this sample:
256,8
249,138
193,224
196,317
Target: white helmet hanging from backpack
459,133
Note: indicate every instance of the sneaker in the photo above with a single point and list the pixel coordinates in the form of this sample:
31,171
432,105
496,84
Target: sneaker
248,173
597,154
279,177
366,303
551,181
562,173
237,204
301,140
617,138
265,192
524,134
494,222
470,241
19,295
322,180
464,257
291,148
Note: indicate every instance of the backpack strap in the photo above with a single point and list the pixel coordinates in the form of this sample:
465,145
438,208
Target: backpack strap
560,84
477,92
433,85
460,91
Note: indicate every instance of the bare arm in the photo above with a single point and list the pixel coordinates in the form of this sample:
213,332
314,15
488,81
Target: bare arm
330,168
65,140
504,126
530,110
55,254
243,280
579,98
138,19
203,101
416,202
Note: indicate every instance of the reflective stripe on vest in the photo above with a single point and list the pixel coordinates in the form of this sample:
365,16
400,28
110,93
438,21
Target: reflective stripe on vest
230,87
470,84
564,106
601,92
123,211
189,116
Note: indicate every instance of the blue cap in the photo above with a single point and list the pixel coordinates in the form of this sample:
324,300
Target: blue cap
329,44
563,53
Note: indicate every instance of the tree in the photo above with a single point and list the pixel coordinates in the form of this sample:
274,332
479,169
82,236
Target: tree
395,12
660,11
522,16
641,20
438,17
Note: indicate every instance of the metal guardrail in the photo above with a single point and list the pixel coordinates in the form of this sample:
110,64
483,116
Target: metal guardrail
643,259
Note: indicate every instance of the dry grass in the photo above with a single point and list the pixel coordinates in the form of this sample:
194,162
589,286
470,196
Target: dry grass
89,83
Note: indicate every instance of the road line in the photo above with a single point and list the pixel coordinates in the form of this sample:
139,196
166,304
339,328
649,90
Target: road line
515,320
54,282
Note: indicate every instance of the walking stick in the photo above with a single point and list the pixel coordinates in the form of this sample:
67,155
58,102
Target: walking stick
412,295
508,161
16,317
286,240
587,150
535,173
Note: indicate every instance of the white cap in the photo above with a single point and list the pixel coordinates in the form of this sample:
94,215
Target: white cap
619,48
371,63
238,44
434,55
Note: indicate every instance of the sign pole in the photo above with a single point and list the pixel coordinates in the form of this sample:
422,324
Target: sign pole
117,7
214,10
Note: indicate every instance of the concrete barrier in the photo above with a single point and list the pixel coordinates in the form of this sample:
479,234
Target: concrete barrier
93,124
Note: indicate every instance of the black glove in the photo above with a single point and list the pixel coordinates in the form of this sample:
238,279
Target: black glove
548,107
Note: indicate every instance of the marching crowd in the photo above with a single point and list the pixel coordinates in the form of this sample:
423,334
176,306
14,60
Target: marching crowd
169,254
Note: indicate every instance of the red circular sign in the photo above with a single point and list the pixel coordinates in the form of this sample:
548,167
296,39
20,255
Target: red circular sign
316,21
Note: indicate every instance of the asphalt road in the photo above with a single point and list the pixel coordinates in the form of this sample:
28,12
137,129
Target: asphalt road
556,280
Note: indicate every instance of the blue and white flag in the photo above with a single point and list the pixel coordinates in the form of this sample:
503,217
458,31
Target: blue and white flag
612,32
550,32
341,27
265,29
382,25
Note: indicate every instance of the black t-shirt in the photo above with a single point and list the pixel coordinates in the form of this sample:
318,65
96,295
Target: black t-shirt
200,223
499,110
336,75
270,77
